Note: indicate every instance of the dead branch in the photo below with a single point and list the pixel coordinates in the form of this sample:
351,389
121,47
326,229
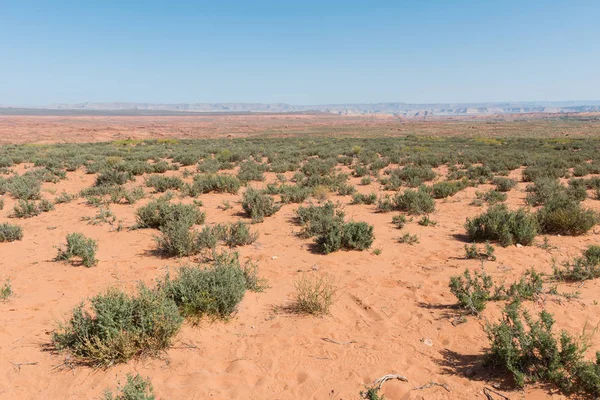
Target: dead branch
336,342
431,384
390,377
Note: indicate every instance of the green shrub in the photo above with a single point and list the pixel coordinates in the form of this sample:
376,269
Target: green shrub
79,246
64,197
258,205
415,202
45,205
385,204
500,224
1,204
399,221
346,190
582,268
563,216
25,187
529,350
251,171
314,295
158,212
6,291
119,327
110,177
293,193
359,198
215,183
136,388
408,239
349,236
316,220
442,190
163,183
491,196
26,209
472,292
366,180
426,221
504,184
238,234
214,291
473,252
10,233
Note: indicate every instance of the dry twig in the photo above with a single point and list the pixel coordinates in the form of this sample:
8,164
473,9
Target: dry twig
390,377
431,384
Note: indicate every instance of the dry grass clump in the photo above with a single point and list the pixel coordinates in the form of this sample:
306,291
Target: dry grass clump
314,295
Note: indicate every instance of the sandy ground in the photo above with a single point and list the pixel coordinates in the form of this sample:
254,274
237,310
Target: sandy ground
386,306
69,129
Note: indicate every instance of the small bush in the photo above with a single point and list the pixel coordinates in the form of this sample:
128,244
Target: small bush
25,187
359,198
79,246
385,204
45,205
163,183
214,291
491,196
399,221
110,177
158,212
472,292
349,236
136,388
582,268
293,193
258,205
473,252
10,233
176,239
6,290
442,190
531,352
407,238
507,227
64,197
561,216
314,295
215,183
251,171
504,184
316,220
26,209
238,234
426,221
415,202
119,327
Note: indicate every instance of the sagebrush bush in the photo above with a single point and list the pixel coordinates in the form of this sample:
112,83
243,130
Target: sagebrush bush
6,290
504,184
491,196
530,351
472,291
119,326
582,268
316,220
293,193
500,224
314,295
415,202
213,291
359,198
10,233
251,171
563,216
158,212
348,236
110,177
79,246
215,183
24,187
136,388
26,209
163,183
258,205
442,190
238,234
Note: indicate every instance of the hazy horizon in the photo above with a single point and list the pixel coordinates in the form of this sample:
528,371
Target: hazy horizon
309,53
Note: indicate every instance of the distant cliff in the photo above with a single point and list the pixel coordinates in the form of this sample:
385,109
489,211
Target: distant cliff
400,109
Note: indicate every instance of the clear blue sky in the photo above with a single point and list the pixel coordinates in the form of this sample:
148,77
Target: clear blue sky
299,52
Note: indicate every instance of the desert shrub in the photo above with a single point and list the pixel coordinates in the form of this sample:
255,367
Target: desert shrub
385,204
563,216
533,173
213,291
110,177
6,290
407,238
136,388
529,286
163,183
473,252
582,268
581,170
24,187
293,193
399,221
318,167
366,180
10,233
258,205
208,237
547,190
426,221
251,171
412,176
176,239
472,291
530,351
314,295
26,209
345,190
500,224
491,196
215,183
1,204
349,236
158,212
441,190
45,205
119,326
238,234
415,202
504,184
316,220
79,246
64,197
359,198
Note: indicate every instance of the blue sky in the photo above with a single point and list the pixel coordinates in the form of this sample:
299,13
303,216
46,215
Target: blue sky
299,52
